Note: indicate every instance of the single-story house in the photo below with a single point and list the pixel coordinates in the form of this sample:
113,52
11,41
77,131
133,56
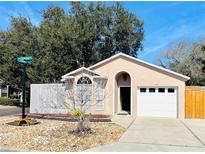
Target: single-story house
133,86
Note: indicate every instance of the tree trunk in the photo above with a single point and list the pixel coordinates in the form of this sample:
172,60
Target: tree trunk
81,127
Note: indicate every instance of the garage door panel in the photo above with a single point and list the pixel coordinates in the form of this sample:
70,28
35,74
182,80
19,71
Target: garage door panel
157,104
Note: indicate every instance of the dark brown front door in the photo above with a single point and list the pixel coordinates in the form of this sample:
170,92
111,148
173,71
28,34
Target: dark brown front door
125,98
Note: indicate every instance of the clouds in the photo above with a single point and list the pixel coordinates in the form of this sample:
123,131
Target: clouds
31,9
165,22
173,25
31,13
161,38
8,9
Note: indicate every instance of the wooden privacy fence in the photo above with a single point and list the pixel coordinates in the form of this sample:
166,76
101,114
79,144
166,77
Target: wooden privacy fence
195,102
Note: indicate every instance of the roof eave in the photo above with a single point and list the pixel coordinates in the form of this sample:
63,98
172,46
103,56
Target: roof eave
141,61
67,78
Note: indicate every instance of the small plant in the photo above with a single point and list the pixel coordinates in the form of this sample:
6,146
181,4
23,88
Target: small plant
78,113
81,117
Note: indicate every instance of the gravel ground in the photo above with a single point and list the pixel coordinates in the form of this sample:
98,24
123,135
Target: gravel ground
53,135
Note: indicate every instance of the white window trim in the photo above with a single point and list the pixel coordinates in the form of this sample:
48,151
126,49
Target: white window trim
103,101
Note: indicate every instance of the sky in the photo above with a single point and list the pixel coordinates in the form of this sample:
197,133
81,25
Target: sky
164,22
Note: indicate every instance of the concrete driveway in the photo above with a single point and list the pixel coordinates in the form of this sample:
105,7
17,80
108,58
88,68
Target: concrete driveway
160,134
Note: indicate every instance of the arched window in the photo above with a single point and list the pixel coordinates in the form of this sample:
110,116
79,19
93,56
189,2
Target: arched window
84,80
84,93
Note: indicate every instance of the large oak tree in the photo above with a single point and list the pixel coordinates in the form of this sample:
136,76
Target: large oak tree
66,40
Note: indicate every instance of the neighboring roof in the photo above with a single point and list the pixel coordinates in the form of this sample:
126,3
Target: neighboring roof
140,61
70,75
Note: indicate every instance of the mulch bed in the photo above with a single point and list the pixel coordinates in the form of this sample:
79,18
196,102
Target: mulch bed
68,117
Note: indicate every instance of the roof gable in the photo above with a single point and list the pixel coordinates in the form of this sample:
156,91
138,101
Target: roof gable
139,61
84,70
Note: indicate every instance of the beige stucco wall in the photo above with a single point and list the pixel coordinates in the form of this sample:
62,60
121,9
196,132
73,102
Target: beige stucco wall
141,75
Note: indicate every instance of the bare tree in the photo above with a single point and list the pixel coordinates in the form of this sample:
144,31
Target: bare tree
185,57
82,96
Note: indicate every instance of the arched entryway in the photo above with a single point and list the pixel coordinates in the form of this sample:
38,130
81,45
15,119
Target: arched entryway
122,93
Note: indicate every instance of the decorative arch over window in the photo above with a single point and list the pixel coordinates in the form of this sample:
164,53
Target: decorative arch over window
84,80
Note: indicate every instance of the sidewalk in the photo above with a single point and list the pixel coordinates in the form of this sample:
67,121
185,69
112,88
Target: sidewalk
138,147
123,120
7,107
6,149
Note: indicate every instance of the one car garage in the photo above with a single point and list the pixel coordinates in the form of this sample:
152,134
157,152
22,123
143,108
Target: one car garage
157,101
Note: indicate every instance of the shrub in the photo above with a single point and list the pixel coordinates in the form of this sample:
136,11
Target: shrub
7,101
78,113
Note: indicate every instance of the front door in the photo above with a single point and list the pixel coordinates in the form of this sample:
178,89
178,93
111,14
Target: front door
125,98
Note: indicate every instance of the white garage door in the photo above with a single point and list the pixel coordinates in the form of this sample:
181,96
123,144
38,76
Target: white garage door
157,102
